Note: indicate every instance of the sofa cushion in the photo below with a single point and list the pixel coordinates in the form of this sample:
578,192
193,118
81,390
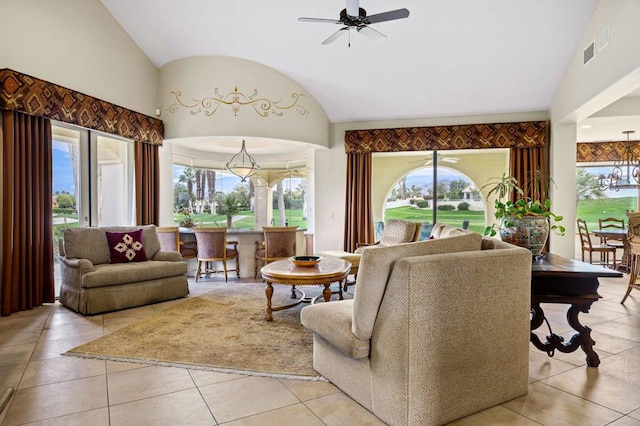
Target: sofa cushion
92,244
126,247
397,231
125,273
440,230
332,321
376,265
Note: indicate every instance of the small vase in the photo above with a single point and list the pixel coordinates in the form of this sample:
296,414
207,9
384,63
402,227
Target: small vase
529,232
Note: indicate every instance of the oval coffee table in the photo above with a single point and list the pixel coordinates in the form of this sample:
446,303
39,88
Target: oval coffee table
328,270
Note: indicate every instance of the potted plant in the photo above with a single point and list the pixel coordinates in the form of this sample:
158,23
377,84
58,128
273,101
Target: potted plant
525,222
186,220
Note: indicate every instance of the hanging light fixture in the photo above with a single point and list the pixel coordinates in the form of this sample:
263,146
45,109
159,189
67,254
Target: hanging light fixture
242,164
625,172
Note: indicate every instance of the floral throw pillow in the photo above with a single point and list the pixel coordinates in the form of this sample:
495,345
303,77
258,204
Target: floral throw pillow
126,246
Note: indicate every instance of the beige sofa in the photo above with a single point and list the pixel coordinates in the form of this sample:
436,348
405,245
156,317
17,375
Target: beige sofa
92,285
437,330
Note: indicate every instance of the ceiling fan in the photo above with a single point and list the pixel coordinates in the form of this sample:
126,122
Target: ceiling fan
355,17
441,157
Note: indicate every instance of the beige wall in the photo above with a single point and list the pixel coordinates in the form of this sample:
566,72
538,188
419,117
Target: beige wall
79,45
614,72
198,77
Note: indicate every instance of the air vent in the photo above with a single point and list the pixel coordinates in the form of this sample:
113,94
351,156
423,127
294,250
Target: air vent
589,53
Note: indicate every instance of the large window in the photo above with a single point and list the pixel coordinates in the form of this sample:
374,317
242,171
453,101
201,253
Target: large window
447,197
93,183
595,203
207,197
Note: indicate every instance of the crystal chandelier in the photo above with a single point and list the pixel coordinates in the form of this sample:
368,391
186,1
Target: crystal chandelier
624,174
242,164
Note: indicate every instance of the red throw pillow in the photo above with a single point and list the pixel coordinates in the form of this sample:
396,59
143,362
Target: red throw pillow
126,246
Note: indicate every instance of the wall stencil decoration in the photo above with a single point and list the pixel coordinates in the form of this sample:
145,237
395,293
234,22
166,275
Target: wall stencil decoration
235,100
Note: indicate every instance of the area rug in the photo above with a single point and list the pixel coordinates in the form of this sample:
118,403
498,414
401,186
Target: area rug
222,330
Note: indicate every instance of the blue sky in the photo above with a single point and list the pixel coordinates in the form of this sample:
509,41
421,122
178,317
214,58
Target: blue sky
62,168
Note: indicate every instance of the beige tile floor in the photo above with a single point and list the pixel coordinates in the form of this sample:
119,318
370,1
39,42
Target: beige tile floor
56,390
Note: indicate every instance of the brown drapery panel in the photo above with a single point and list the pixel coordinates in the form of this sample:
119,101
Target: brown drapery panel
528,166
147,175
27,243
358,222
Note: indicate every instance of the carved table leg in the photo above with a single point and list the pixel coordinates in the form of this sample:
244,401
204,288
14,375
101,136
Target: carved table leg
584,338
293,292
326,293
269,292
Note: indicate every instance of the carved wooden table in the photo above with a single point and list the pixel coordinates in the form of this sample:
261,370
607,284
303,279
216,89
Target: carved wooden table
329,270
557,279
617,235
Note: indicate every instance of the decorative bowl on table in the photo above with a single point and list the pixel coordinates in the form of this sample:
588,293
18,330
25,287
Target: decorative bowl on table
305,260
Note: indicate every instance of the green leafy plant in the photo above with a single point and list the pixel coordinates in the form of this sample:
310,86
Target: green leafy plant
228,204
506,210
186,220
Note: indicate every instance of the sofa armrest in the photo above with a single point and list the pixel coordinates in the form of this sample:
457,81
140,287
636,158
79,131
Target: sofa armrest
332,322
84,265
168,256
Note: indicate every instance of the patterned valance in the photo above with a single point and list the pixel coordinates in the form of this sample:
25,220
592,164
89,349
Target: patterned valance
591,152
20,92
468,136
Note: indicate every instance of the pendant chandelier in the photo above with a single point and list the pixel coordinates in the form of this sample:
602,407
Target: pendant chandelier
625,172
242,164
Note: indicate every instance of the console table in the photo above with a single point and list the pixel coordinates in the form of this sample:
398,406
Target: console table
557,279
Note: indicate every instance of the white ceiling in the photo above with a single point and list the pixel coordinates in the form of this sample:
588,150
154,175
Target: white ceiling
449,58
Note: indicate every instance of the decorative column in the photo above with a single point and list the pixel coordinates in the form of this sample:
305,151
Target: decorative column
263,203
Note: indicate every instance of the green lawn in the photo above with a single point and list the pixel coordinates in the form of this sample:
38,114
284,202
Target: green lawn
592,210
245,219
454,218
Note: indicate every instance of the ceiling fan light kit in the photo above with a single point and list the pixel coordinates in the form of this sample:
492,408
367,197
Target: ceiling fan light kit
355,17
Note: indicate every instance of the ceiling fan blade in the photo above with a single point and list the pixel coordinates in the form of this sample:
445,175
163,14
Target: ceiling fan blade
353,7
387,16
335,36
450,159
372,34
320,20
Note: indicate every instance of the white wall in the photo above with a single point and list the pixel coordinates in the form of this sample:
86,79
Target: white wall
79,45
585,90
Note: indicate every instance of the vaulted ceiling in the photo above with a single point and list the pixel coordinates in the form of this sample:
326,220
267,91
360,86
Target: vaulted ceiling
448,58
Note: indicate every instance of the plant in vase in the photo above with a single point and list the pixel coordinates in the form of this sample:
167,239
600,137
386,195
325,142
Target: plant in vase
525,222
186,220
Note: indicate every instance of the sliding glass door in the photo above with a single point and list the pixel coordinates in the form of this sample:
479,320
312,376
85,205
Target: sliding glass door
93,182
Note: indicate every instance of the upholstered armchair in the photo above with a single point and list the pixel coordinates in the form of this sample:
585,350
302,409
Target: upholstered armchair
436,330
396,231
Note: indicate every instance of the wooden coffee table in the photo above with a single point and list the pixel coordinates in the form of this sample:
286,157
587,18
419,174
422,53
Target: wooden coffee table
328,271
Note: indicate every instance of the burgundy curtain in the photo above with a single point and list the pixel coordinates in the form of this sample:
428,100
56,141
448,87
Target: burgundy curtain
358,221
528,166
27,243
147,177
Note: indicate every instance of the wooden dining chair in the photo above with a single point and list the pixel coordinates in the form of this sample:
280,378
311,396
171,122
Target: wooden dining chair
611,223
587,246
169,237
212,247
279,243
633,239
